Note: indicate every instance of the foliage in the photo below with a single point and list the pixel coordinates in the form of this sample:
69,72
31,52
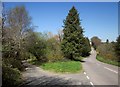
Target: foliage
107,51
73,39
31,58
117,47
35,62
14,63
86,48
107,41
60,35
45,48
53,51
16,25
108,61
38,46
10,76
63,67
95,42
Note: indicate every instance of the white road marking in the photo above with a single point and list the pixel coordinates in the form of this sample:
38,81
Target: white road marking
85,73
87,77
91,83
110,70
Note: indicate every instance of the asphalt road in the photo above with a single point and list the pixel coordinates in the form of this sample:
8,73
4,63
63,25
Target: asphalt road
100,73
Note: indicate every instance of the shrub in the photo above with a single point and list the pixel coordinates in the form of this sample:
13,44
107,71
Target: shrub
105,60
53,51
107,51
10,76
38,46
31,57
117,48
86,48
54,56
14,63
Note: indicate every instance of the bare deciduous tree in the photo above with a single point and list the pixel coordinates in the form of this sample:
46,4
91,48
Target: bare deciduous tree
17,25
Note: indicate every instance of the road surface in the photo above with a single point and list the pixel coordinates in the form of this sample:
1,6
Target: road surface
100,73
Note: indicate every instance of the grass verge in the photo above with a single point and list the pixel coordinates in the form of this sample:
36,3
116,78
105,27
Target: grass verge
63,67
107,61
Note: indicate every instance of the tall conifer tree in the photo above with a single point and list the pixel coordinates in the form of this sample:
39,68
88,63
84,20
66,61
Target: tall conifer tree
73,38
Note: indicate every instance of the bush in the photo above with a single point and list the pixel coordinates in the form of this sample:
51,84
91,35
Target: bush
54,56
33,60
31,57
53,51
38,47
14,63
10,76
105,60
107,51
86,48
44,49
117,47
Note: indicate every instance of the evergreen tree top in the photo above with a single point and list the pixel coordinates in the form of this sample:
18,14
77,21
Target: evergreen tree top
72,18
73,9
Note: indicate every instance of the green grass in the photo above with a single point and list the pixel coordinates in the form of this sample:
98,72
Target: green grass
63,67
107,61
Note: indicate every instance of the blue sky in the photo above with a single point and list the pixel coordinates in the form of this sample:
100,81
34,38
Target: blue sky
98,18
